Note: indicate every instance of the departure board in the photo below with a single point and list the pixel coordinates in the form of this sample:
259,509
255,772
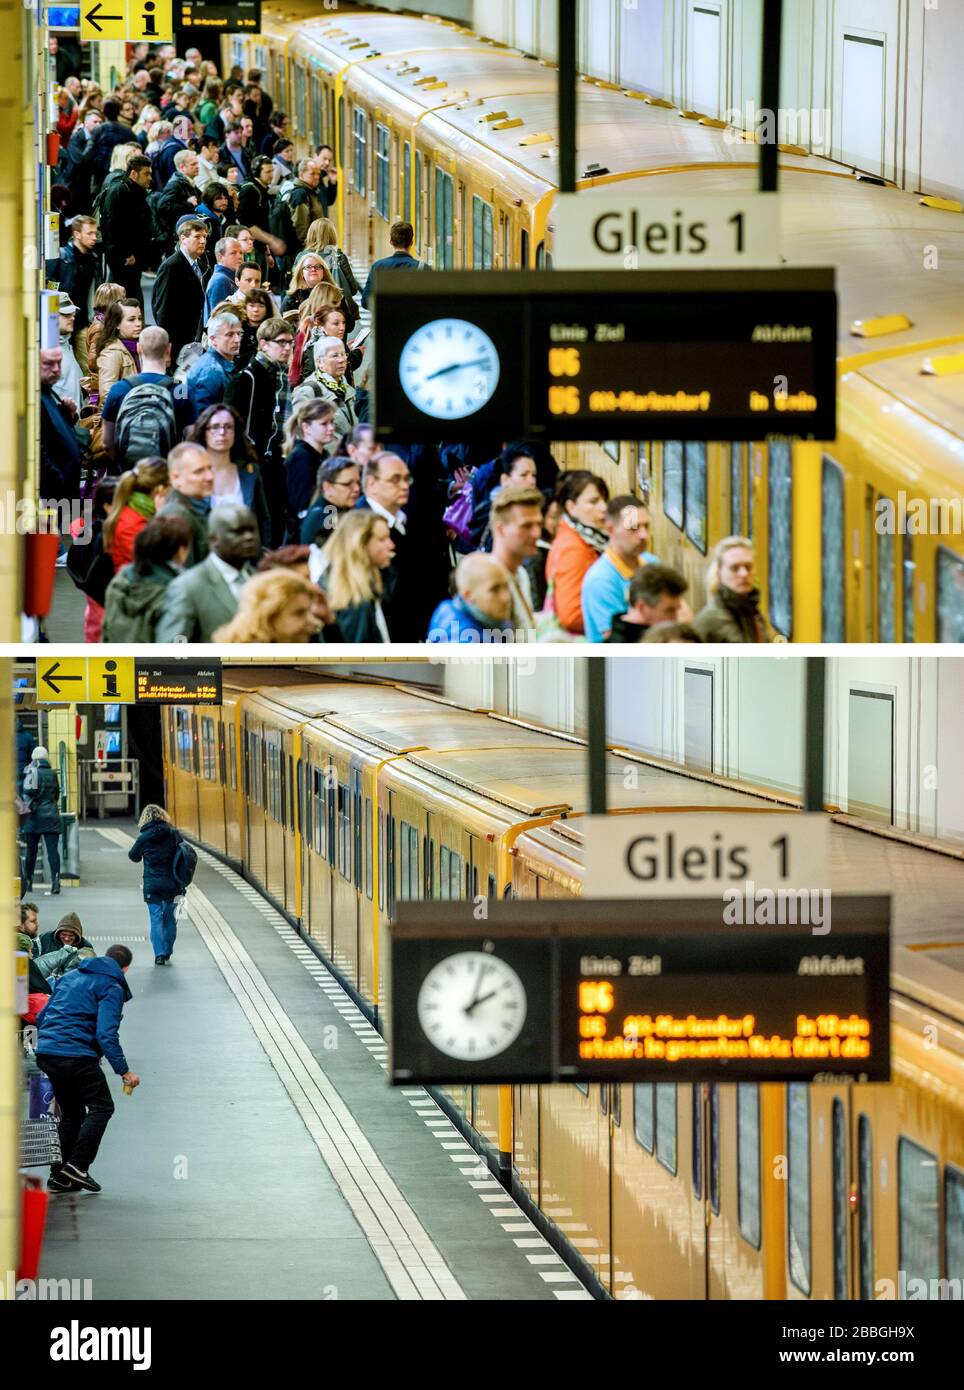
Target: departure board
623,990
690,355
177,682
244,16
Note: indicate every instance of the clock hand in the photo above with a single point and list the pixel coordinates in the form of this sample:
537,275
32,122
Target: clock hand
476,1002
456,367
483,968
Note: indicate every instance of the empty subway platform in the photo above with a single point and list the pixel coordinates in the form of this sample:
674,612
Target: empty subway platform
263,1155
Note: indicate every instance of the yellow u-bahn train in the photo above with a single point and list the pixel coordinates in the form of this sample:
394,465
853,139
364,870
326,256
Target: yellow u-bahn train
341,797
433,123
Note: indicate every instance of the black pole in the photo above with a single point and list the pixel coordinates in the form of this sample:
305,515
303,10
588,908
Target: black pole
814,719
596,751
567,96
770,94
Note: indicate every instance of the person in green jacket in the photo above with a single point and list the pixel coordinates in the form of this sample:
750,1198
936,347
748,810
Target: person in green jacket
135,596
733,612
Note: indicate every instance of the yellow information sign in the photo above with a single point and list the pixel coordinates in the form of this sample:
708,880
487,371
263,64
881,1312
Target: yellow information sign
136,20
62,680
110,680
151,20
105,19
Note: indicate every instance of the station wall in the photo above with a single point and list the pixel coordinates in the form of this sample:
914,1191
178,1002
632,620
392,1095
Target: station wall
894,737
871,83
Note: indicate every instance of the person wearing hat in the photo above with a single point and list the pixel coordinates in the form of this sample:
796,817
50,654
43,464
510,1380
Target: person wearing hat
68,386
67,932
41,791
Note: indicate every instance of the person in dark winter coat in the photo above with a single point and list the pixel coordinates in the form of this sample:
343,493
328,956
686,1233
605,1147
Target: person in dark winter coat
68,932
135,596
25,746
156,845
42,793
733,611
125,225
78,1026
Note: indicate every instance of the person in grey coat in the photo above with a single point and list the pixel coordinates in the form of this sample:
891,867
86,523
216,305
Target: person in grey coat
41,791
206,597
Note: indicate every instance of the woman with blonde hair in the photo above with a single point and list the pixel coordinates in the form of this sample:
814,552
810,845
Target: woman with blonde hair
157,845
733,611
323,237
139,493
358,554
276,606
308,271
119,156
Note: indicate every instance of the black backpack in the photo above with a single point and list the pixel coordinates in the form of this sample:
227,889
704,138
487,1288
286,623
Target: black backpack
90,567
146,425
184,864
282,226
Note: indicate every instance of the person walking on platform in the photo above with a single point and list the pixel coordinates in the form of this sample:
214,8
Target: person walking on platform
41,791
77,1027
156,845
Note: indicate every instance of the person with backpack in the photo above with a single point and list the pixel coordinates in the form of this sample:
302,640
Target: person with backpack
169,865
143,414
323,238
41,791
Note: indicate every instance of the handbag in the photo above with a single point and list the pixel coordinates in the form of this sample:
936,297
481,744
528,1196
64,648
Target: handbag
22,808
458,514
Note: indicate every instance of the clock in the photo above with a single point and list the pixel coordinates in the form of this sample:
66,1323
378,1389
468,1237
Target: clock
471,1005
449,368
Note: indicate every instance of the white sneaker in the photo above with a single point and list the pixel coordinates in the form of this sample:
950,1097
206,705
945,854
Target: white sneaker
61,561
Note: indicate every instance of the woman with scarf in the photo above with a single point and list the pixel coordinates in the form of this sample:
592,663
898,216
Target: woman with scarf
733,611
579,542
117,357
328,383
139,494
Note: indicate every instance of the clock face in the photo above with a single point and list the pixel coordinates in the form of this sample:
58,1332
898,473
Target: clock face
449,368
472,1006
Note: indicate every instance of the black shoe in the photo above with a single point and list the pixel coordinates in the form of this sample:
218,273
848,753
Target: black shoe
26,887
59,1182
55,887
158,960
74,1175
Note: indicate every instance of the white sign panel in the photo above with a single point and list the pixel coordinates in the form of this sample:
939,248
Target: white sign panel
701,855
601,231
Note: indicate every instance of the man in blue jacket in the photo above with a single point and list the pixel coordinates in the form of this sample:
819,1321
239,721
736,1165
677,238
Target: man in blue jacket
481,609
78,1027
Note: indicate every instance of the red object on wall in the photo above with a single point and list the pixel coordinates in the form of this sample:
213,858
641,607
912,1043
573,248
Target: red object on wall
40,571
32,1227
53,148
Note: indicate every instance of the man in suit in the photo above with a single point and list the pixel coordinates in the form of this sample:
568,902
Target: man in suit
178,297
204,598
385,486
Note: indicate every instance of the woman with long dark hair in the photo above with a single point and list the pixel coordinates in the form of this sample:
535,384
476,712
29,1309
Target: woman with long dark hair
237,475
117,357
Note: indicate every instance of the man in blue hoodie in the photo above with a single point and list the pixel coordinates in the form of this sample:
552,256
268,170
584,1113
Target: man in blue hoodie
481,609
75,1029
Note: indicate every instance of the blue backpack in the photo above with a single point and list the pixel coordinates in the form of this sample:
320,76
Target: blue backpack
184,864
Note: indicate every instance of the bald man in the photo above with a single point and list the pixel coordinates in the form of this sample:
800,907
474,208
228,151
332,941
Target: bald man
481,610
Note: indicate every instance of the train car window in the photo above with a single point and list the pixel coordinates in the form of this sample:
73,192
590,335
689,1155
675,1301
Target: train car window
950,596
869,556
332,819
263,774
407,181
455,876
833,562
390,866
361,148
617,1105
222,755
918,1212
695,495
604,1099
582,1087
383,182
482,238
737,491
697,1117
403,868
444,226
748,1161
291,792
524,249
907,588
643,1123
232,758
864,1208
301,111
369,853
715,1149
644,473
195,746
246,769
505,227
673,482
886,592
611,448
840,1207
418,199
953,1224
381,859
780,536
208,762
475,882
666,1124
443,876
798,1185
316,109
490,891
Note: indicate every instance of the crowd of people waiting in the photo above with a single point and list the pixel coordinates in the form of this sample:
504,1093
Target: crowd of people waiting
236,489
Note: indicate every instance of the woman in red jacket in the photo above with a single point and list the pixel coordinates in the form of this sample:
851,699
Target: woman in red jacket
139,494
579,542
